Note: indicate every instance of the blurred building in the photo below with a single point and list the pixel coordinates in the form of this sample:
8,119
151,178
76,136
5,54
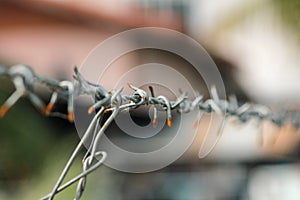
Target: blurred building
254,51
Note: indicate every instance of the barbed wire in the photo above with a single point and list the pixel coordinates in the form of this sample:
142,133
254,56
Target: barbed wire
112,102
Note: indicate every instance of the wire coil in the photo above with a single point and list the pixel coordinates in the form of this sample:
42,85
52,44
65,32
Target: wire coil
25,80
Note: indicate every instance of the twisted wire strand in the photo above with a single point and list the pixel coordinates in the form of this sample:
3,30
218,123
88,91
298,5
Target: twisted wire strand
113,102
24,80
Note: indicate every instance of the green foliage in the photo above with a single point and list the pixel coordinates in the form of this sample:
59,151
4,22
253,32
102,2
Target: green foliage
289,12
27,140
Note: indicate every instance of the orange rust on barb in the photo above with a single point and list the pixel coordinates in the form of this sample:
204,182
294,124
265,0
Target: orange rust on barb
169,122
91,109
106,111
71,116
49,108
154,122
3,110
129,85
124,111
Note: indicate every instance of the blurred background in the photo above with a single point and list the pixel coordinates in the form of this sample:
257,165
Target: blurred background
256,46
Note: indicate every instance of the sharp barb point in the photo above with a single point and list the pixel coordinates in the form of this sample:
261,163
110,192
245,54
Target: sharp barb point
169,122
154,123
71,116
91,109
3,110
49,108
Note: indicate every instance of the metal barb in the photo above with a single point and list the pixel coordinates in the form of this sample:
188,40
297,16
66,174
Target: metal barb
112,102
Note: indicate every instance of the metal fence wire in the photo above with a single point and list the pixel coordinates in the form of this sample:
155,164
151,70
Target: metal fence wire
112,102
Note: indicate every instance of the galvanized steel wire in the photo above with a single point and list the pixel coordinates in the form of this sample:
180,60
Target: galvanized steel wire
25,80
